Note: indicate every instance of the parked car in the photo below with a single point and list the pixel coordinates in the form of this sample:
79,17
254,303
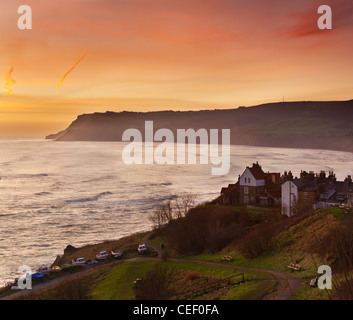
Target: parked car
142,248
116,254
66,267
55,269
37,276
102,255
78,262
15,288
44,269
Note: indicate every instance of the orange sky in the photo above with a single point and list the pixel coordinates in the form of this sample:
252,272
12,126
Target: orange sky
168,54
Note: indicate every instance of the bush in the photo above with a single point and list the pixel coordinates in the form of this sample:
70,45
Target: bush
337,244
154,285
192,275
258,241
207,228
78,288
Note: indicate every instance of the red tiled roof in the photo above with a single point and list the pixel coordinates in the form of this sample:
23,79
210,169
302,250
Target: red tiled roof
256,173
224,190
230,188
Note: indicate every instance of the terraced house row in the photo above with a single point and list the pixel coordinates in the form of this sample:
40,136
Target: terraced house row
256,188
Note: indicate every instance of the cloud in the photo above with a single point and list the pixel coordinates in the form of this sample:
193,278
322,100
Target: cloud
8,81
305,22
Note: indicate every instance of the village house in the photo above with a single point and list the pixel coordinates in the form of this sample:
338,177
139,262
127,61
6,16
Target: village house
230,194
314,191
254,187
294,195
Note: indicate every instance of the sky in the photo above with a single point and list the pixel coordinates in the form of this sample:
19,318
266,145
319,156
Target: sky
144,55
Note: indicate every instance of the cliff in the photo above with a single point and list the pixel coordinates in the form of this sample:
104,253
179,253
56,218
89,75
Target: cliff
307,124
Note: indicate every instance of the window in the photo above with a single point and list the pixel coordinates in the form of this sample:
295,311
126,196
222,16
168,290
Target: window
306,196
246,199
246,190
249,180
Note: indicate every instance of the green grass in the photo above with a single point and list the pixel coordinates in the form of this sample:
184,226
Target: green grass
249,291
282,254
273,261
338,212
303,125
118,284
306,292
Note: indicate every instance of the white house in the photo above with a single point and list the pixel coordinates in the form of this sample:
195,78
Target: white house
289,198
259,188
251,178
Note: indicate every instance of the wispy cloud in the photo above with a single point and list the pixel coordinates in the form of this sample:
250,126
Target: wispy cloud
305,22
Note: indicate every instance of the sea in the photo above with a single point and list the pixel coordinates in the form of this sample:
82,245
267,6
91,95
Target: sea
53,193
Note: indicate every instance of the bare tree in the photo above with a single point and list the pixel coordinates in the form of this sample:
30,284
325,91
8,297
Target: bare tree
167,211
183,204
162,215
157,218
171,210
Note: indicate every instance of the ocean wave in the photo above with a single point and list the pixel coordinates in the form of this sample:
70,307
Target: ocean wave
98,179
167,184
89,199
64,226
43,193
27,175
6,215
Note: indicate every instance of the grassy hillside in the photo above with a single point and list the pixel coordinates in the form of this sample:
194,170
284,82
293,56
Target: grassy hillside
118,285
323,237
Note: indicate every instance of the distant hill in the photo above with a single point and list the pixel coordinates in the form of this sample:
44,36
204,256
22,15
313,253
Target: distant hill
307,124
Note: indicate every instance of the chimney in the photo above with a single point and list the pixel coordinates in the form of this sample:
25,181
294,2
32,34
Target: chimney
290,176
311,175
348,182
332,177
256,165
304,177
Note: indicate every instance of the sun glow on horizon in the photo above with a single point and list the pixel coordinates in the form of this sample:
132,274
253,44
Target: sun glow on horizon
179,55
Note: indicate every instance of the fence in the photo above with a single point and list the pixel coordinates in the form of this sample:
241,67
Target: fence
211,287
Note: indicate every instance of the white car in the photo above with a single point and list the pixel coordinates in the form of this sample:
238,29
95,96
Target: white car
142,248
102,255
78,262
116,254
44,269
15,288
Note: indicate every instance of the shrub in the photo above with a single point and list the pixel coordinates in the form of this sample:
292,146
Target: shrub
154,285
77,288
207,228
192,275
258,241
